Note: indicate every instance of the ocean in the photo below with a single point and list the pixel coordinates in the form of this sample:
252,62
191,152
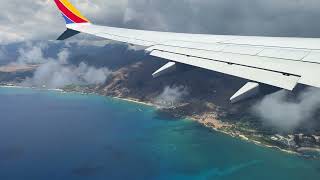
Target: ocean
48,135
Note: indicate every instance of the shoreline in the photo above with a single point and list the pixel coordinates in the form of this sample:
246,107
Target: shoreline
237,135
131,100
244,138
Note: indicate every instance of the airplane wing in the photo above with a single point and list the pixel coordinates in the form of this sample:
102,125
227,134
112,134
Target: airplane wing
282,62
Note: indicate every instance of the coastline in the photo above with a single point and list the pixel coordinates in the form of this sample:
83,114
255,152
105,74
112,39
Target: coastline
131,100
199,120
243,137
211,122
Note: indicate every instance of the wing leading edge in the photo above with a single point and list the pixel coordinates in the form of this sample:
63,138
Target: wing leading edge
277,61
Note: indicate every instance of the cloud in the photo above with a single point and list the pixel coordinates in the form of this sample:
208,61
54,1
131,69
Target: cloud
171,96
92,75
276,110
40,20
25,20
86,42
32,53
58,72
56,75
35,20
63,56
2,54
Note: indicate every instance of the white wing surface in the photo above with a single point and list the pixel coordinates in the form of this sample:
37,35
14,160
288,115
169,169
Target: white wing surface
280,62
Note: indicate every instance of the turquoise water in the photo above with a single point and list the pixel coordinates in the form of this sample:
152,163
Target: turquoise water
53,136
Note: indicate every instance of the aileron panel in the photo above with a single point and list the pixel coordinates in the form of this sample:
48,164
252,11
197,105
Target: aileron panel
258,75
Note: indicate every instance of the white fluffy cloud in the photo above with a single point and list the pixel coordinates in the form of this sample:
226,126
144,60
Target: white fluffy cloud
276,110
58,72
32,53
171,96
53,74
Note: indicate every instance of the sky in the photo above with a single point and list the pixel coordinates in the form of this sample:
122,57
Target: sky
39,20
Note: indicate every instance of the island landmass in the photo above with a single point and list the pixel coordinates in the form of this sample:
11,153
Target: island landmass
207,103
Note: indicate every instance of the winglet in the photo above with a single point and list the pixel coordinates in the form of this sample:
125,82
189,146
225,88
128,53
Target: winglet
70,14
68,33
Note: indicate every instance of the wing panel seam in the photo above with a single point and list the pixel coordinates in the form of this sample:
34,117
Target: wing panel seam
283,73
237,53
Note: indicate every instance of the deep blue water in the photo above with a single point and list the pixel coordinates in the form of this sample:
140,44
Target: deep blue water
53,136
